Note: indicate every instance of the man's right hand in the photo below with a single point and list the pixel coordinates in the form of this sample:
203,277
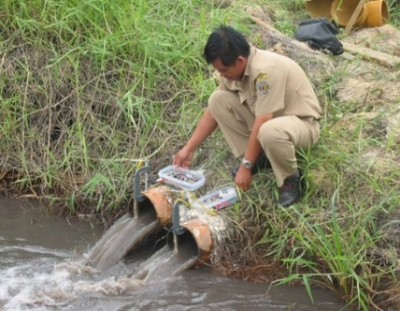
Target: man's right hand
183,157
204,128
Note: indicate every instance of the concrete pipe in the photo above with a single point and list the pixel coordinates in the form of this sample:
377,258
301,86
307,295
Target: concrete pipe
158,199
377,13
319,8
202,236
342,10
193,232
199,227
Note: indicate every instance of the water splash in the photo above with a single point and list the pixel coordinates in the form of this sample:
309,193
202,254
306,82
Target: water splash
166,263
121,238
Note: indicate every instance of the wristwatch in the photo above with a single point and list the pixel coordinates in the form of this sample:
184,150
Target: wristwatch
247,164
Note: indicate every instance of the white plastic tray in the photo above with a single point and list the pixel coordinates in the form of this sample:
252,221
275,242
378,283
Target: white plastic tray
217,199
181,177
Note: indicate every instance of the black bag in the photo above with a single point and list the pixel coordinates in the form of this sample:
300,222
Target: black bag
319,34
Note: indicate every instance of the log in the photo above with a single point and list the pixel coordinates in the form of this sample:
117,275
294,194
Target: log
315,63
298,50
371,55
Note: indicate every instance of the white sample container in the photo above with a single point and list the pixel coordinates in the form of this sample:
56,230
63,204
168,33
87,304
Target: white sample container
217,199
181,177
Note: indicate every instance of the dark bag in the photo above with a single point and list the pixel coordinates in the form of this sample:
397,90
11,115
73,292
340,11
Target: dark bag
319,34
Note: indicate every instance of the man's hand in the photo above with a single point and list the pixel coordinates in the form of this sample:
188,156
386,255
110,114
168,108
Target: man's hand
243,178
204,128
183,157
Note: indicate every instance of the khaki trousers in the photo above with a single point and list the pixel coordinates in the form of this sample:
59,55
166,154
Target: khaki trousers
279,137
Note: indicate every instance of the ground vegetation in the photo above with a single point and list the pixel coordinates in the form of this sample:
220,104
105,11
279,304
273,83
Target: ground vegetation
92,90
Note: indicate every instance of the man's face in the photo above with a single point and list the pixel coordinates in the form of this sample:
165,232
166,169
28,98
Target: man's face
232,72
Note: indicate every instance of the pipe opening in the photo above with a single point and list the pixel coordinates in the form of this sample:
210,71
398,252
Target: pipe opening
151,213
197,239
146,207
157,200
186,244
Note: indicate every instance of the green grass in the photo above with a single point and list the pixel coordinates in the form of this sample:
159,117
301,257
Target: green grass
92,81
318,245
92,89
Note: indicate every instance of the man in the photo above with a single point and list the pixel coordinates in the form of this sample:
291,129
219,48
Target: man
264,105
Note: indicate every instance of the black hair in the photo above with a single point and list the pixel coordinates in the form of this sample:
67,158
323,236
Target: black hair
227,44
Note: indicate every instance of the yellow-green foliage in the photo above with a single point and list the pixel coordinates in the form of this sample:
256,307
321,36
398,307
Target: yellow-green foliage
89,89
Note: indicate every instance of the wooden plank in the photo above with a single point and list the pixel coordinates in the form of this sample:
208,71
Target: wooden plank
354,16
264,24
371,55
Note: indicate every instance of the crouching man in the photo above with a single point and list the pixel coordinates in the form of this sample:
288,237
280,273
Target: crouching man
265,107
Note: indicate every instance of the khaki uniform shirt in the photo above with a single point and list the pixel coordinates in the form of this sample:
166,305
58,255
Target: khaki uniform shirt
273,83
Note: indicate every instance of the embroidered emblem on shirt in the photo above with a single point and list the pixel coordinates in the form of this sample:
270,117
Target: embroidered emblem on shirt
262,87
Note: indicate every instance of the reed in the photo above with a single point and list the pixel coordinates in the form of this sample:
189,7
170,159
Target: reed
91,90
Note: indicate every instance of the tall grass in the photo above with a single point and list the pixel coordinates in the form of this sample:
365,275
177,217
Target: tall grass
394,12
335,251
90,86
90,90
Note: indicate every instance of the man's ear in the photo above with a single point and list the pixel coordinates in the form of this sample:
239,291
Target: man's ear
241,62
241,59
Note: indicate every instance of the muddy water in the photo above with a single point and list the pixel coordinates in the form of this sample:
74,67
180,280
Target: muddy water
43,267
125,235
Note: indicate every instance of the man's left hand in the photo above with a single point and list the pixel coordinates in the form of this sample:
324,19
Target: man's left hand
243,178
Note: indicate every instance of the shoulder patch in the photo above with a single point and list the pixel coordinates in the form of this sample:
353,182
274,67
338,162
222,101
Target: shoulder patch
262,86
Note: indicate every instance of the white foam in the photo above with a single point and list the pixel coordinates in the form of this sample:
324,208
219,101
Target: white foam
28,287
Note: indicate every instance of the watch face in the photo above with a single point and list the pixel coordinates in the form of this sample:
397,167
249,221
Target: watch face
247,164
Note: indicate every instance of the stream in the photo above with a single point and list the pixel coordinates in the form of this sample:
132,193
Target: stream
43,266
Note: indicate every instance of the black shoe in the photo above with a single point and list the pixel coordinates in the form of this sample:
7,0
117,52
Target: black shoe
262,163
290,191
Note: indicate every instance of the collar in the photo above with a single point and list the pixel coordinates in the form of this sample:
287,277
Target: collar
253,52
